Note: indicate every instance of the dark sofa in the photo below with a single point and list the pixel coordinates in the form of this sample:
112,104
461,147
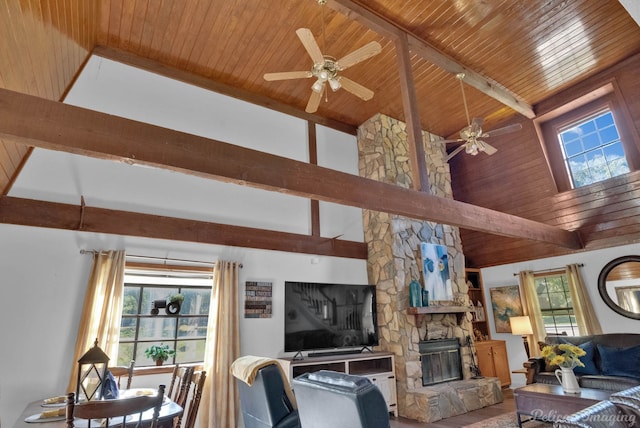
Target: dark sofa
611,362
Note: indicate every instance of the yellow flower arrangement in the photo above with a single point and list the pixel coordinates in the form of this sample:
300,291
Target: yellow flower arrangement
564,355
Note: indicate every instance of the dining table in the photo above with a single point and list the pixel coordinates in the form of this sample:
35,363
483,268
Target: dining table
30,416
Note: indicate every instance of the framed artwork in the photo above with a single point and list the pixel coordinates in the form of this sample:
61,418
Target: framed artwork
257,300
506,303
435,270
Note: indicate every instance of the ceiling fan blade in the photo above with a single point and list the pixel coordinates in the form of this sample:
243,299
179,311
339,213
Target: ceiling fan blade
486,147
309,42
356,89
286,75
503,130
456,151
457,140
476,125
314,101
359,55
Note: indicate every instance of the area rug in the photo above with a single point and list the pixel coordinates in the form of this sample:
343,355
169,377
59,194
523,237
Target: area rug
508,420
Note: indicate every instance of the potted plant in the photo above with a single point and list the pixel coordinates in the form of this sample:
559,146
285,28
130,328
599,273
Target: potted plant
159,353
174,303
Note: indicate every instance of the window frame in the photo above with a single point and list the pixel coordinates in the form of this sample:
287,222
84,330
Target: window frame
174,277
574,328
552,123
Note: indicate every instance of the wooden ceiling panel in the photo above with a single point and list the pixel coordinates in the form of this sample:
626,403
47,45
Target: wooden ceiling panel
236,41
43,44
529,49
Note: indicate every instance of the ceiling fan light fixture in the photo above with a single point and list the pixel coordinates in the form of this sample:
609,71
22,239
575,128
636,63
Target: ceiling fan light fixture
335,84
317,86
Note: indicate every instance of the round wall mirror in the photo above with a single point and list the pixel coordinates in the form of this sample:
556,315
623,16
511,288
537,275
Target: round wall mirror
619,286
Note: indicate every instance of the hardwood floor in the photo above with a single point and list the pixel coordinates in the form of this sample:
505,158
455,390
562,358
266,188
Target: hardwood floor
507,406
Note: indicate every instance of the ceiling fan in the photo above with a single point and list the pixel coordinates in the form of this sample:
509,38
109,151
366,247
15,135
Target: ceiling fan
470,135
326,70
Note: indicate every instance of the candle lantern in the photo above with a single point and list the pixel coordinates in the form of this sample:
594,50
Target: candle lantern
92,373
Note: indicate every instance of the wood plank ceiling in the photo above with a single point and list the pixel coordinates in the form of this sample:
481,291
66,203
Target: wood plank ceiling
530,50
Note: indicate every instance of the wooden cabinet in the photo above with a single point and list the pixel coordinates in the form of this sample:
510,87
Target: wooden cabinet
476,297
493,360
377,366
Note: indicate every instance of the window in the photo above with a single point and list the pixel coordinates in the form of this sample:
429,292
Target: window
556,305
588,140
592,149
184,332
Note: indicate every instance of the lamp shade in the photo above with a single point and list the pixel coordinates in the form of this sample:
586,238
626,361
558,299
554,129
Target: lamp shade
520,325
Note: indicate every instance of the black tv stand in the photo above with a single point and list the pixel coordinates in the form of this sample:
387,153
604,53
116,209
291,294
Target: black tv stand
334,353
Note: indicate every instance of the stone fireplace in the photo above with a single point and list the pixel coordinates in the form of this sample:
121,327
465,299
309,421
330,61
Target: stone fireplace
394,261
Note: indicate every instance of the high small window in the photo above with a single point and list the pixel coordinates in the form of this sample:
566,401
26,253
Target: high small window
589,139
592,149
556,305
185,332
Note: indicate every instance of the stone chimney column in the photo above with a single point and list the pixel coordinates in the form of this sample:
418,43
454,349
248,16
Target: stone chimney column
394,251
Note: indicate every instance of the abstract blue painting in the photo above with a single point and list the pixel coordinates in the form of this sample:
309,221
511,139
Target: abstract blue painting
435,270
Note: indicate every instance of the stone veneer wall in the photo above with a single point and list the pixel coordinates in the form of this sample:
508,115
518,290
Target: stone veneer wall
394,255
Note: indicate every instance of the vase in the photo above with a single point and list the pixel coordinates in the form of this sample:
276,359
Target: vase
567,379
425,297
415,294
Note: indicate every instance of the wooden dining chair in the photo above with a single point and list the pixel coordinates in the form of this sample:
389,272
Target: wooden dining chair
120,371
180,384
110,409
191,409
175,380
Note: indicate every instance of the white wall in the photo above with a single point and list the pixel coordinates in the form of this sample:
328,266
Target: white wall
44,275
594,261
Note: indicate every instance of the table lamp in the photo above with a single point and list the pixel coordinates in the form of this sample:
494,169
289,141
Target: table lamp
522,326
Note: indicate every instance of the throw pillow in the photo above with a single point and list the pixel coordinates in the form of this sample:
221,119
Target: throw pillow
620,361
587,359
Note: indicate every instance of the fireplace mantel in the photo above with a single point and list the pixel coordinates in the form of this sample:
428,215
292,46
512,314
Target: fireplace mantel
427,310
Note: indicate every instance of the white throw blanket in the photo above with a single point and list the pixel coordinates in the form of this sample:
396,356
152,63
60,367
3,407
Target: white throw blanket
246,368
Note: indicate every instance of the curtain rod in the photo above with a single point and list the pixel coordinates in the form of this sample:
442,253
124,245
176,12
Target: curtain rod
166,259
549,270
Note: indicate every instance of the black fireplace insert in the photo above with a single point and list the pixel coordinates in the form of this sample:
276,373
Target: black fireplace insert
441,361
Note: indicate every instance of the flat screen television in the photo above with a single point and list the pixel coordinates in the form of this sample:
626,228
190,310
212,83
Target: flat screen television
321,316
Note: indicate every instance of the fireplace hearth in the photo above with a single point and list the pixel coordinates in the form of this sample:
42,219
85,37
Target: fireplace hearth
441,361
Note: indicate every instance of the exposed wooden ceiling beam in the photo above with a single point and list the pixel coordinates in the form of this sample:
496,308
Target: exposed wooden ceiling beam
28,212
383,26
51,125
412,118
